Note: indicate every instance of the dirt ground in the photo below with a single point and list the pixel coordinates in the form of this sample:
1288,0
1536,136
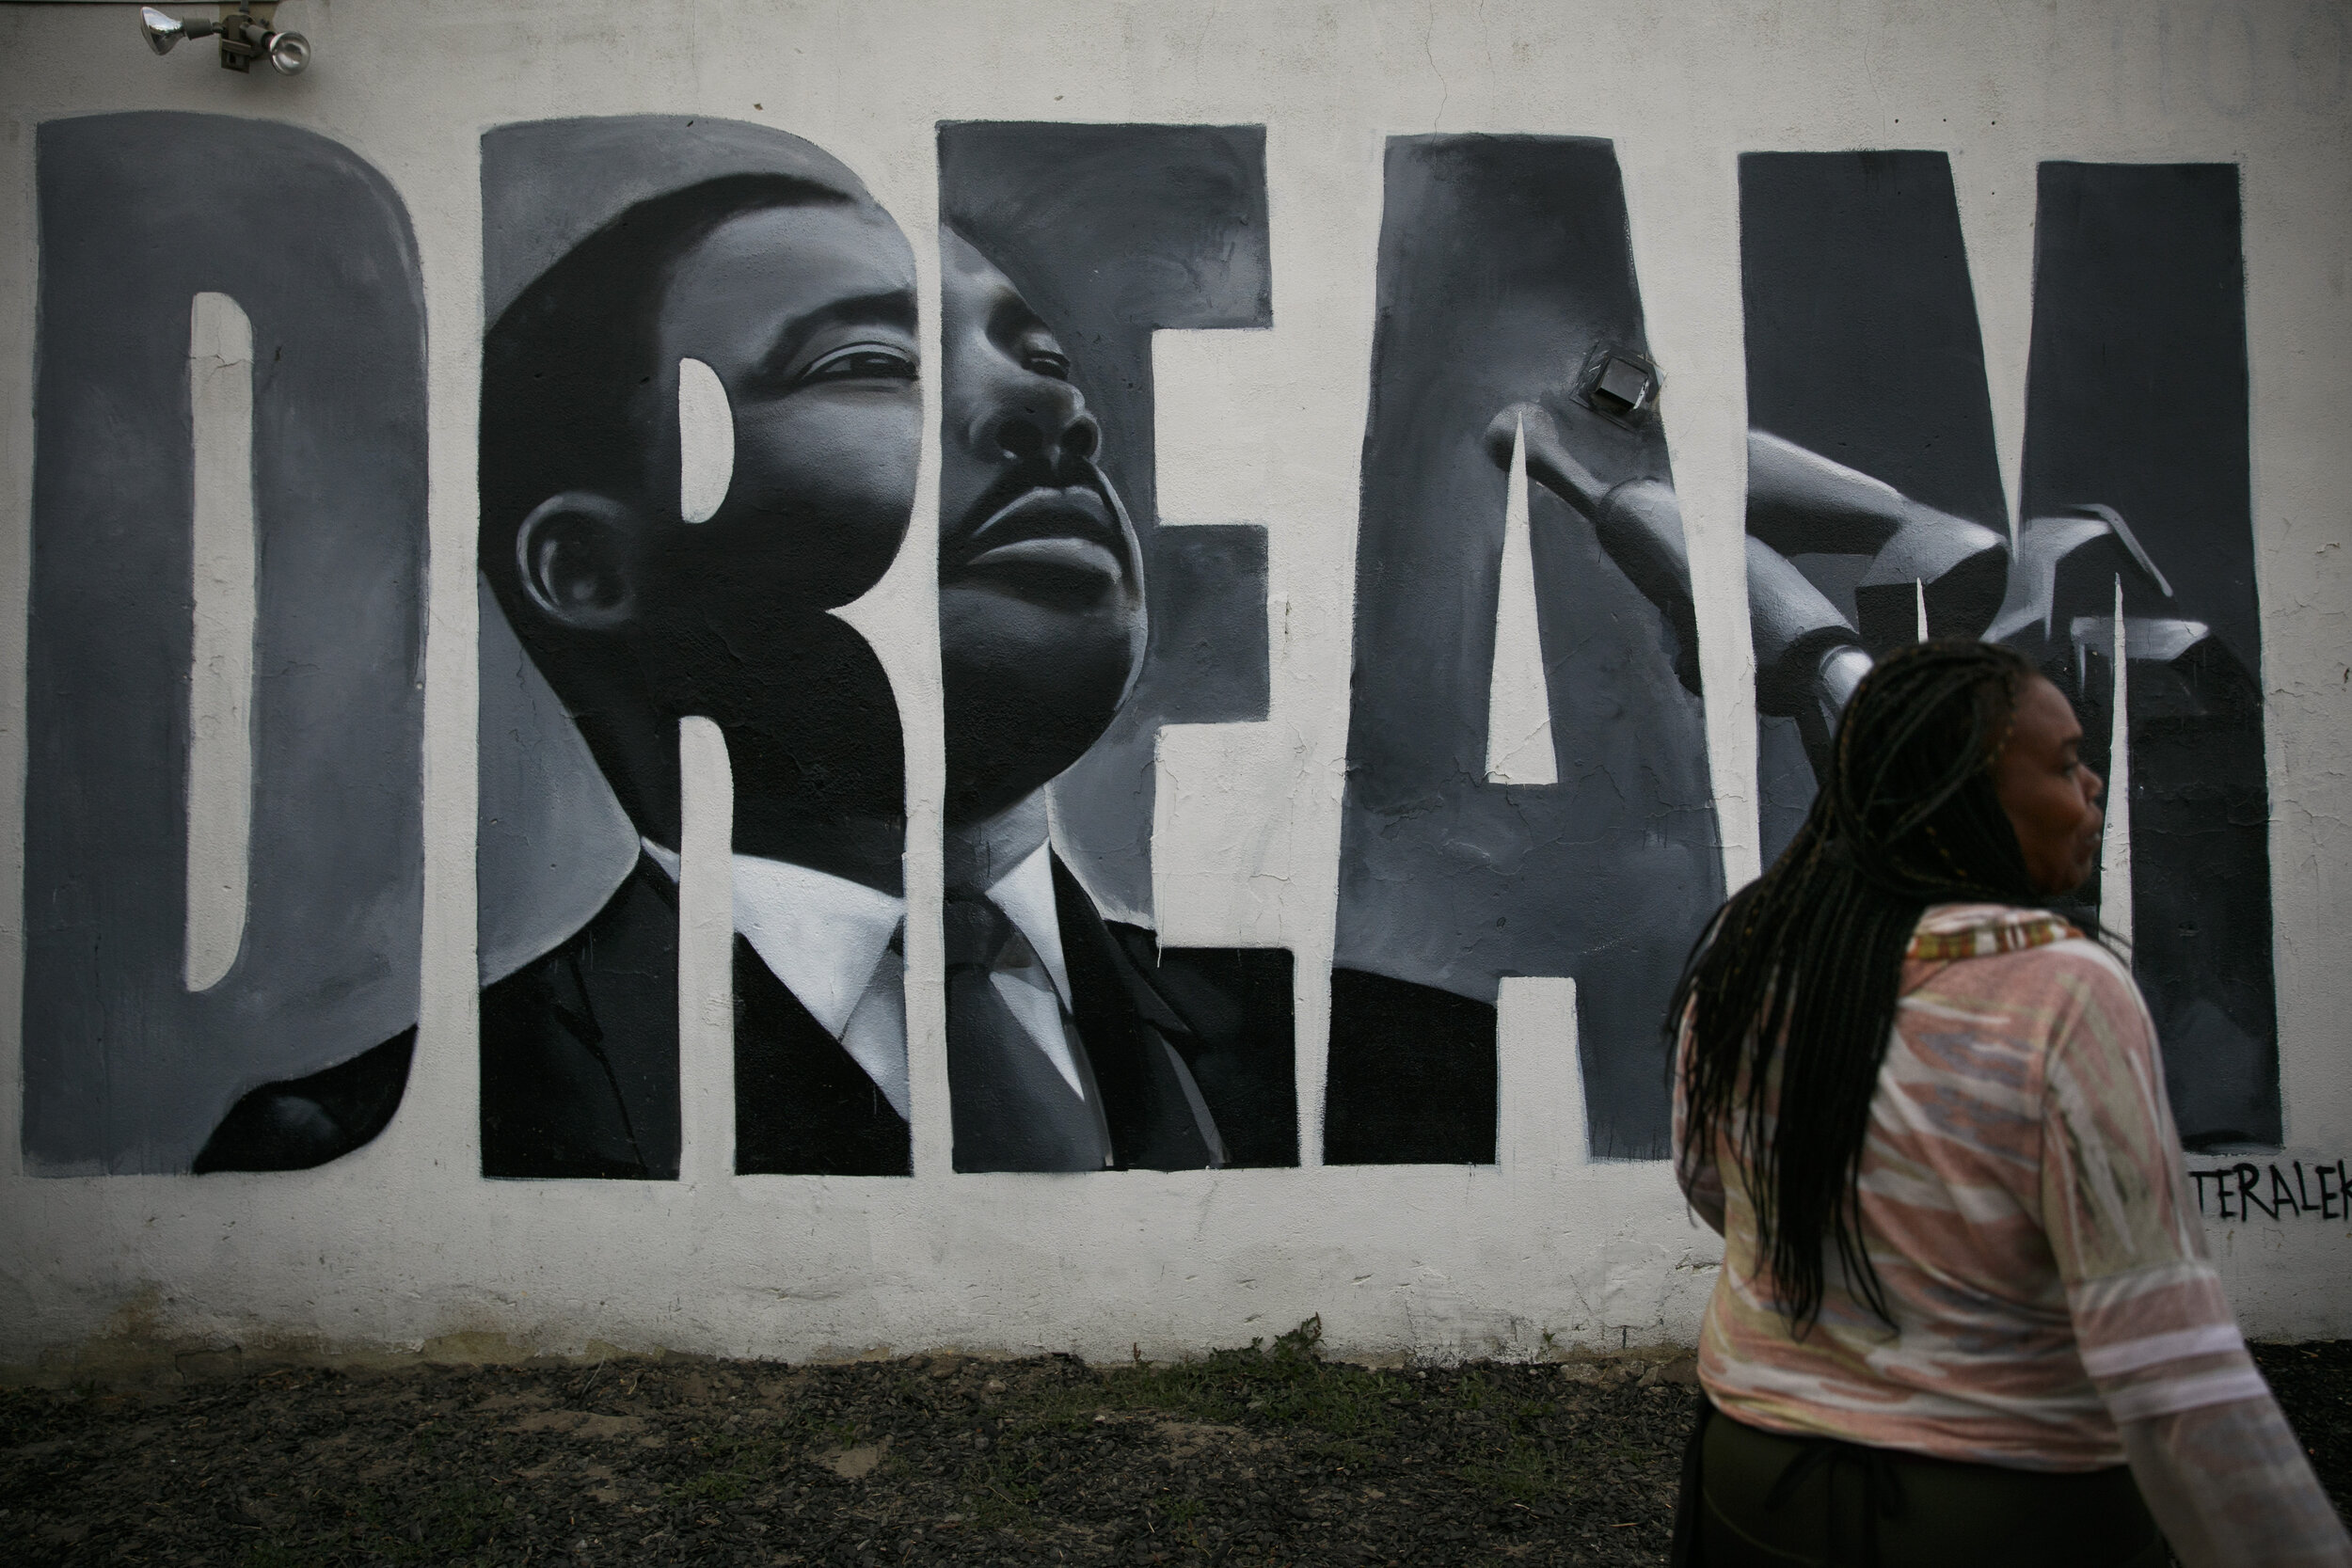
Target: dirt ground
1261,1456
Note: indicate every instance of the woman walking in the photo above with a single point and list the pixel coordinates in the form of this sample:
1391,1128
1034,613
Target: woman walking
1965,1314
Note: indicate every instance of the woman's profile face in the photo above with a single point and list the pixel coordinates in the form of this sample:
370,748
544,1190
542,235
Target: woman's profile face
2051,798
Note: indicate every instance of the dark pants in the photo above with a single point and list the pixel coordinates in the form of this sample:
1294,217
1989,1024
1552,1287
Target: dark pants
1756,1500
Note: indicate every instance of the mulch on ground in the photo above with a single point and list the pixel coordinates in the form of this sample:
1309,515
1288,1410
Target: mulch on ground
1258,1456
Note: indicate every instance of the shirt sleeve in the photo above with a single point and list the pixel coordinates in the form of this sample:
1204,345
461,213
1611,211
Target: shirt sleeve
2154,1327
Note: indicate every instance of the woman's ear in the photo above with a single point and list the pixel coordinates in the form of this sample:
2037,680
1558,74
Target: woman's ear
575,561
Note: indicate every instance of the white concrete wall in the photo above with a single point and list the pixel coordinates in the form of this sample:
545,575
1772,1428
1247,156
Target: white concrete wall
403,1243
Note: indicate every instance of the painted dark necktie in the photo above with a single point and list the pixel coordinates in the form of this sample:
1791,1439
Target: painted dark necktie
1013,1108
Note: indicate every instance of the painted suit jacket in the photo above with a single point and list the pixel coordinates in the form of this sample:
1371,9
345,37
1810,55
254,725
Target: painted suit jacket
579,1053
580,1063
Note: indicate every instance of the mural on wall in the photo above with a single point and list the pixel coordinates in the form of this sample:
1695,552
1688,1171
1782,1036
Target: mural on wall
1865,385
700,435
224,865
1866,368
2140,404
700,432
1578,838
1072,626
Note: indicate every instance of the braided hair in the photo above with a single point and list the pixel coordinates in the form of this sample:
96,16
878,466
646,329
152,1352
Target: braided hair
1798,971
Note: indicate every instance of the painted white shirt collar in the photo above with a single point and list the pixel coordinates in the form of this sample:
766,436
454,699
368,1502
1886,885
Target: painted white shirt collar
822,935
1025,894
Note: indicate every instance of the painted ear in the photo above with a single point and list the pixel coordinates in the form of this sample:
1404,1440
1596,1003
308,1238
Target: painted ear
572,556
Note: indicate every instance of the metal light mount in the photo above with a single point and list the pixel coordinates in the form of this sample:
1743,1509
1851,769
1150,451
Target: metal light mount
247,31
1621,384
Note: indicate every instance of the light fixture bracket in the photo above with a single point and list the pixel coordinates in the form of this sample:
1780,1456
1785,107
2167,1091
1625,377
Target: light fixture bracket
247,30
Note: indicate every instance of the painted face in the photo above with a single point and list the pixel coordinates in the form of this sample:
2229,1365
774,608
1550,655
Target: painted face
1041,613
808,315
2051,798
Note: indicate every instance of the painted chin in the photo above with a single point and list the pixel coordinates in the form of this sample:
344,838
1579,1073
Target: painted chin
1056,547
2070,873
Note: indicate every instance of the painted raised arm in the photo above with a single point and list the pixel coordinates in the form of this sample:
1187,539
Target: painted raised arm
1809,657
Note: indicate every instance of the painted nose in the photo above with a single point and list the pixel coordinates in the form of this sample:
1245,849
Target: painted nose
1050,425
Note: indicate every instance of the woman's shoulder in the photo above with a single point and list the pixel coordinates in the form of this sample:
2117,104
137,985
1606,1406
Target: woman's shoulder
1951,932
2020,954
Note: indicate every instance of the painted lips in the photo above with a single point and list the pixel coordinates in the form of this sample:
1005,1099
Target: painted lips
1066,529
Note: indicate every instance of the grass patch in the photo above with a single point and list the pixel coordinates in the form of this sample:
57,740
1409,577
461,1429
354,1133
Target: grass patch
1286,1384
1265,1454
711,1486
732,1466
1523,1472
278,1554
31,1415
453,1524
446,1525
1000,1495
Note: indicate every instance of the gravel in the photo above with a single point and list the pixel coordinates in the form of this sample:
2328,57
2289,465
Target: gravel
1265,1455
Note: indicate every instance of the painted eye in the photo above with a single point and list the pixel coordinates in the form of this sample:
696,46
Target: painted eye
863,362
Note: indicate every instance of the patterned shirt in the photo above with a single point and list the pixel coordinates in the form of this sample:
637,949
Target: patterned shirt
2024,1205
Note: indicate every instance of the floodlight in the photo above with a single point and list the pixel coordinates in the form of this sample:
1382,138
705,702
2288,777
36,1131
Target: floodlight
244,35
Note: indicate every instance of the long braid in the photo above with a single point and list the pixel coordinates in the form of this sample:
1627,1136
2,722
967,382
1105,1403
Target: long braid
1796,976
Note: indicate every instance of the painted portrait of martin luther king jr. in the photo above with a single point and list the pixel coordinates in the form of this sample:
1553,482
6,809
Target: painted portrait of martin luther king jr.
700,432
700,435
1074,1042
755,289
